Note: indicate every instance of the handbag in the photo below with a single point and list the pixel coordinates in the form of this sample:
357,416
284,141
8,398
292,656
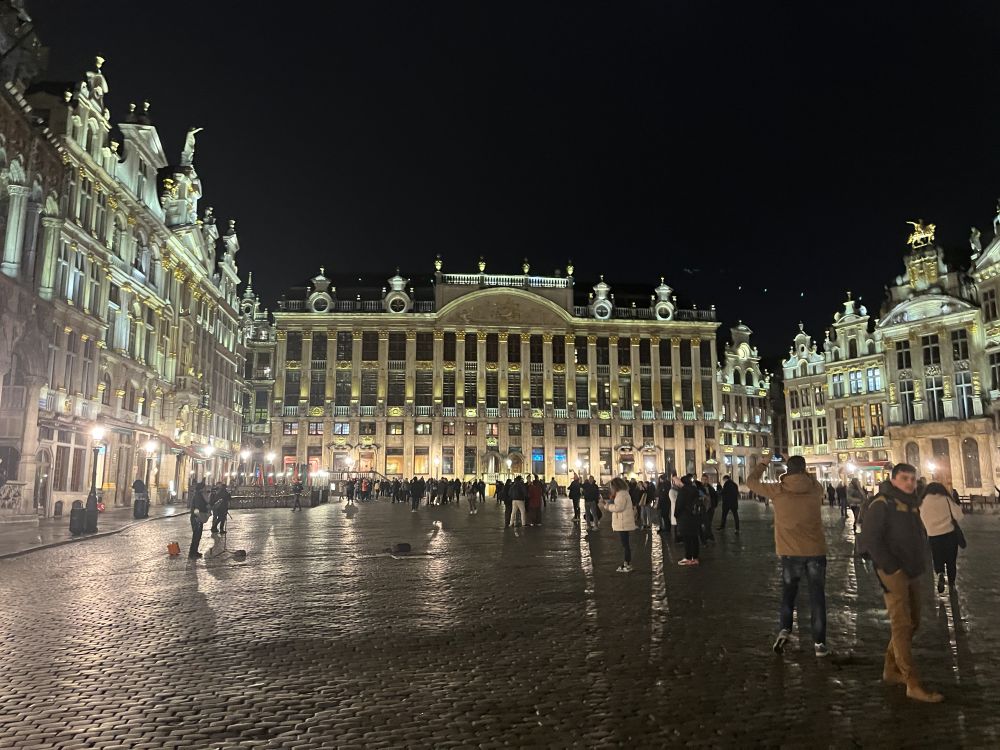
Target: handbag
958,529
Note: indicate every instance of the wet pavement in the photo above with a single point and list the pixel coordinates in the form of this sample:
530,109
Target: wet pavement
493,638
17,539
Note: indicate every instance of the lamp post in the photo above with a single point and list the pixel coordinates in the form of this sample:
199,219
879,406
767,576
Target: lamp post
509,464
270,462
245,458
97,434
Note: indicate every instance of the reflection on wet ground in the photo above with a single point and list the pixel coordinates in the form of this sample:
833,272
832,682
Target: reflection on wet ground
480,637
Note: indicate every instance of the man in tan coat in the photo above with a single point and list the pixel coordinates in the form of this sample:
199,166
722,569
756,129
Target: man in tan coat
798,539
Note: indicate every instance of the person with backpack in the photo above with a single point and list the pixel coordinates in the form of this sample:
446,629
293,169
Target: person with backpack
622,519
896,541
689,510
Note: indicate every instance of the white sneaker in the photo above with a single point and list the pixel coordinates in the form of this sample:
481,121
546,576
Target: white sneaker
624,569
685,561
821,649
780,641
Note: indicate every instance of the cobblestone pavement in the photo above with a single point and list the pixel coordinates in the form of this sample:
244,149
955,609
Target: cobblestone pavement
20,538
494,639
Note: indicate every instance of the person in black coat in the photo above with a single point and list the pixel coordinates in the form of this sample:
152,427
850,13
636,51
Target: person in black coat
574,491
689,512
730,502
220,508
663,503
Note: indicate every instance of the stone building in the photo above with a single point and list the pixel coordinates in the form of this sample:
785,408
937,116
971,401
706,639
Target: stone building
489,374
122,317
745,413
910,387
836,399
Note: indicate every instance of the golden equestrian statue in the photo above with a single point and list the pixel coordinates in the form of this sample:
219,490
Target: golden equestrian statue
922,234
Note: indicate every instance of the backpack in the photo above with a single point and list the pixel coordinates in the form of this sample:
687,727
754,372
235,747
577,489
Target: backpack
699,504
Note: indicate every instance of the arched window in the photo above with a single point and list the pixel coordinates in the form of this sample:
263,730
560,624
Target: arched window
913,456
143,406
129,403
836,354
106,392
970,462
852,348
738,377
803,369
751,377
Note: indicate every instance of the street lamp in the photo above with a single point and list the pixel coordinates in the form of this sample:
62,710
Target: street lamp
97,434
270,461
245,456
437,465
509,464
931,467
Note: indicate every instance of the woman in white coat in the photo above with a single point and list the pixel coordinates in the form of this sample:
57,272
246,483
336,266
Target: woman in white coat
622,519
939,511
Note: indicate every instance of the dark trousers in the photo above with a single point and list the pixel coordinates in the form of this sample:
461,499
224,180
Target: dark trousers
736,516
415,502
626,548
690,546
576,507
706,526
944,550
219,522
507,506
298,504
197,526
664,509
814,570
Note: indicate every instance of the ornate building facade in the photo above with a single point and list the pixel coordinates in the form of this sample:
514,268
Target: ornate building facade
485,374
122,319
910,388
745,416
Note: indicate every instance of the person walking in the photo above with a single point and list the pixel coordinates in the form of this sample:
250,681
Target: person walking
856,499
940,514
622,519
518,494
591,498
730,502
199,514
895,539
553,489
536,497
646,501
575,491
689,510
797,499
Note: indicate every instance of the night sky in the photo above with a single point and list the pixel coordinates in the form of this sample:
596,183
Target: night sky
731,147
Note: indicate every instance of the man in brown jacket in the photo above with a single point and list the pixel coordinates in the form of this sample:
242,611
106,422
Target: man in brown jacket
893,535
799,541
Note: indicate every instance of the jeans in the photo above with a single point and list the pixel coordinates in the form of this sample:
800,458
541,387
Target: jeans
518,507
626,549
664,508
197,526
736,516
592,511
706,526
646,515
507,507
414,502
814,570
944,550
298,503
576,507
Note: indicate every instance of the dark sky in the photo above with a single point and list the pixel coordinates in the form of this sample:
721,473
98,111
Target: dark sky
730,147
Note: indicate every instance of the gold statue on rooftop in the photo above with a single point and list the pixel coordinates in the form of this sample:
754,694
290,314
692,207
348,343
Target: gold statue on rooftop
922,234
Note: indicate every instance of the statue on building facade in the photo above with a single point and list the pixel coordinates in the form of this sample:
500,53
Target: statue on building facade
922,234
974,242
187,153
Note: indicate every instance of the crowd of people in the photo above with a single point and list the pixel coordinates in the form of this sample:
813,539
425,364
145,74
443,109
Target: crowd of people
898,522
